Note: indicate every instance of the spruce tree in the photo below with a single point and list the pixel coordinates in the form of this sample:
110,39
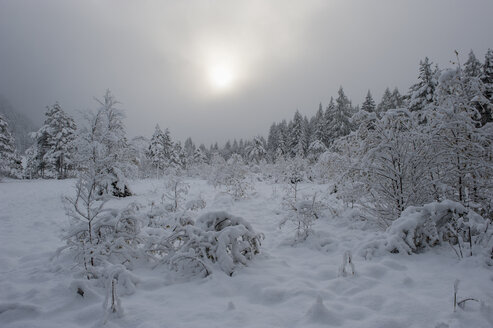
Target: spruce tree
369,104
341,121
156,152
10,162
397,101
59,131
421,93
297,136
472,67
319,128
487,79
386,103
328,117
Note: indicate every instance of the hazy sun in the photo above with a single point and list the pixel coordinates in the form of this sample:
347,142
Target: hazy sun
221,77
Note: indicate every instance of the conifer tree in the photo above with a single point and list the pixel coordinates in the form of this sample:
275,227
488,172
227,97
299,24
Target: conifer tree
421,93
369,104
60,132
341,121
328,117
156,152
297,136
256,150
472,67
10,162
487,79
397,101
386,103
319,126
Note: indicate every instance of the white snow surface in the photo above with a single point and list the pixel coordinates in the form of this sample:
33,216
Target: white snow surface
285,286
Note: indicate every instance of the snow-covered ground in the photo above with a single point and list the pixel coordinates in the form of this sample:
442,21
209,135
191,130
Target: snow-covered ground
284,286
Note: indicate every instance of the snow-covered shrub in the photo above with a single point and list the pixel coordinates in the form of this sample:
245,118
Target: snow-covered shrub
302,214
176,193
216,238
98,235
195,204
439,222
235,178
293,173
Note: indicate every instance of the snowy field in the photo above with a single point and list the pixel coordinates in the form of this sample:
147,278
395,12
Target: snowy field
285,286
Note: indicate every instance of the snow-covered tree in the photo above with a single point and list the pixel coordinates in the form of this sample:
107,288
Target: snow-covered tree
139,148
341,120
156,152
472,67
10,162
394,165
315,149
386,103
103,148
369,104
55,139
297,136
421,93
256,151
487,79
319,132
328,117
397,99
465,148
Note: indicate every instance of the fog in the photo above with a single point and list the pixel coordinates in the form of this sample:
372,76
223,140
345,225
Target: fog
273,57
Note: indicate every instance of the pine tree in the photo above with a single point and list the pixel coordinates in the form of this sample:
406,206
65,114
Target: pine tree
272,140
487,79
328,117
297,136
10,162
369,104
474,88
386,103
156,153
168,149
56,138
176,161
421,93
472,67
397,101
319,130
256,150
341,121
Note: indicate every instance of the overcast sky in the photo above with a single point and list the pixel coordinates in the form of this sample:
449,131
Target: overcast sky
215,70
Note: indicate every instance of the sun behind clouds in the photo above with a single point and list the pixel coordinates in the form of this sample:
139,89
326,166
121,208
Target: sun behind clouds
221,77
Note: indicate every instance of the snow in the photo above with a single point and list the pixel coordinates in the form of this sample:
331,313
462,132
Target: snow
285,285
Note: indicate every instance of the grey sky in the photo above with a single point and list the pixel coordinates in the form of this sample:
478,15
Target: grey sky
287,55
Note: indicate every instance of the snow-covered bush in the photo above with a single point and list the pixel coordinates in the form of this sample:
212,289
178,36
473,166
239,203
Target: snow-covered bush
302,214
176,193
436,223
195,204
216,239
99,236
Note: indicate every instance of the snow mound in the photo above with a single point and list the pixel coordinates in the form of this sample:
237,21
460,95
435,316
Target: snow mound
426,226
318,313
